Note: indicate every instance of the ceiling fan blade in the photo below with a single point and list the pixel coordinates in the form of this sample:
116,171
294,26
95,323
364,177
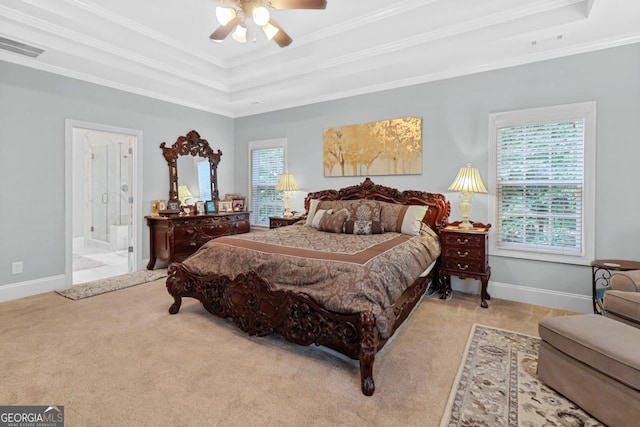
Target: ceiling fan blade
223,31
298,4
281,37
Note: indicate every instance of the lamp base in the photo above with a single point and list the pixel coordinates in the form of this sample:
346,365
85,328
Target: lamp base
465,225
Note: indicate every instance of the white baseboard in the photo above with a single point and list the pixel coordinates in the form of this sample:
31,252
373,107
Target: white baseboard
543,297
536,296
32,287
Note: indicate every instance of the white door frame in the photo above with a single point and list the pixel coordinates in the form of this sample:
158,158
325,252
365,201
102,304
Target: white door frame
136,190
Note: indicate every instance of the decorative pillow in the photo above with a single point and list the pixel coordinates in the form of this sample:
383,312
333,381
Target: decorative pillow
364,210
404,219
329,220
315,204
313,207
363,227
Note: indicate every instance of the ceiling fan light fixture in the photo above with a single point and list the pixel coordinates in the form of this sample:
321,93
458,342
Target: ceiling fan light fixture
260,15
225,14
223,31
240,34
270,31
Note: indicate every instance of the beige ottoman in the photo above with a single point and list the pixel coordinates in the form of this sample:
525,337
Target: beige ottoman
594,362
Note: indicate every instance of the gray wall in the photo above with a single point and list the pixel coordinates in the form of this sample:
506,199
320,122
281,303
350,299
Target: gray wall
34,105
455,131
33,109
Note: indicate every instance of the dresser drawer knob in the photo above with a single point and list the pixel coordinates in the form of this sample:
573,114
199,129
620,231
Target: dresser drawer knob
463,255
463,268
462,242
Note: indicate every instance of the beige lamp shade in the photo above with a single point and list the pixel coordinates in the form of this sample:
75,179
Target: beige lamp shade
468,180
287,183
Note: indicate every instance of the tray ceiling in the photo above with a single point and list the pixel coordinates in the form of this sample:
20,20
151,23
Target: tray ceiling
161,49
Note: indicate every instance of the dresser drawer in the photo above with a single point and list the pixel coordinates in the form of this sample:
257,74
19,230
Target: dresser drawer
175,238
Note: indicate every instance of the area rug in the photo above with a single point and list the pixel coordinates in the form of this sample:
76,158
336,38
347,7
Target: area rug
497,386
97,287
83,263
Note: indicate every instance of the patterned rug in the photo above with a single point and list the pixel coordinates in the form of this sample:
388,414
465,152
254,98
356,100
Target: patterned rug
497,386
83,263
97,287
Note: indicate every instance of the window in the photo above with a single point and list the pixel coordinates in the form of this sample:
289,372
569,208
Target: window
203,169
267,160
543,179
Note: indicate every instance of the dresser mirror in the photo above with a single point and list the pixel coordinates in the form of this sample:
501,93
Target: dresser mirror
191,155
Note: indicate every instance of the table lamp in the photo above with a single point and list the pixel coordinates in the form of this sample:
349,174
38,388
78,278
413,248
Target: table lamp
184,194
468,181
287,184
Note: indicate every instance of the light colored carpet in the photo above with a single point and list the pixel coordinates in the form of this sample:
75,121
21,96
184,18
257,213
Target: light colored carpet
97,287
497,386
121,359
83,263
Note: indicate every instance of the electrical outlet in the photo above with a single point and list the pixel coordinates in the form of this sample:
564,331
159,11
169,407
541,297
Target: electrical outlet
16,267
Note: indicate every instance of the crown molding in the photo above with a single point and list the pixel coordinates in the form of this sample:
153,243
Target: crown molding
57,30
402,44
136,27
336,29
32,63
452,73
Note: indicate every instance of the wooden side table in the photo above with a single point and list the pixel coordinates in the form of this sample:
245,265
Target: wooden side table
465,255
282,221
601,274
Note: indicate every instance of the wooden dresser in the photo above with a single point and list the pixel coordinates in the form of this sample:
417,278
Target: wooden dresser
174,238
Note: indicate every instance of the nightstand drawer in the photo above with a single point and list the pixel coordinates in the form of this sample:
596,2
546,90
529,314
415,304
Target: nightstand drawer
462,253
463,266
464,240
282,221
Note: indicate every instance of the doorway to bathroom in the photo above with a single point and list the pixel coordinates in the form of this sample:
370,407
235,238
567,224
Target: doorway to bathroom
103,229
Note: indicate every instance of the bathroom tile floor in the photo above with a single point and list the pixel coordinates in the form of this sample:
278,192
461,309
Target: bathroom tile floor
115,263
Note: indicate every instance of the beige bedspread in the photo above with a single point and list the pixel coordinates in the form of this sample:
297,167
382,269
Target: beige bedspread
345,273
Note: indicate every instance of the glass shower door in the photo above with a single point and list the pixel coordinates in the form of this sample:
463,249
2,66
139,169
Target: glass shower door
99,194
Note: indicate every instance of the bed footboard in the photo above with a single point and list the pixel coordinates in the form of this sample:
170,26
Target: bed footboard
251,303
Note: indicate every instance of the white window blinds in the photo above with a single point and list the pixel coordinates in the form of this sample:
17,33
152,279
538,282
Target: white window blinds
204,179
267,164
540,171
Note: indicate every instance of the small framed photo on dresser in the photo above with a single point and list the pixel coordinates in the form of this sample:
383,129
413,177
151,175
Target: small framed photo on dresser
210,207
237,205
224,206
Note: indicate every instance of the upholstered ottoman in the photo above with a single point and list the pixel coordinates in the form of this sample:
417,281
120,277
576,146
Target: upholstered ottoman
594,362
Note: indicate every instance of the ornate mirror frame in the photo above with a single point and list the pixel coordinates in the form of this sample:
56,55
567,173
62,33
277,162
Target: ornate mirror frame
191,144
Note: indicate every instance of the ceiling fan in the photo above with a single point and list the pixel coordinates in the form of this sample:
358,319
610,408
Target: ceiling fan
234,19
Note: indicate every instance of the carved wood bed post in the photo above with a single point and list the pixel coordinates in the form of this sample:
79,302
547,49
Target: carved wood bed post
367,353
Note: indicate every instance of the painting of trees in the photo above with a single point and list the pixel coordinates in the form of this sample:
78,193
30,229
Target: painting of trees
387,147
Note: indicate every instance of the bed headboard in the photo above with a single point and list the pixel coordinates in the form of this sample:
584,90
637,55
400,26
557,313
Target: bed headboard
436,217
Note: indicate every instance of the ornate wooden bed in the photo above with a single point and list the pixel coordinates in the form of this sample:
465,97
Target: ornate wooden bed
258,309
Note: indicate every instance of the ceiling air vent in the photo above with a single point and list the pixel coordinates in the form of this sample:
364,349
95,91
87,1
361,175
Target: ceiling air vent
20,48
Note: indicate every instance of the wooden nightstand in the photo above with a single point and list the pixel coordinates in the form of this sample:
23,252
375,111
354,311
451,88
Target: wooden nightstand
465,255
282,221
